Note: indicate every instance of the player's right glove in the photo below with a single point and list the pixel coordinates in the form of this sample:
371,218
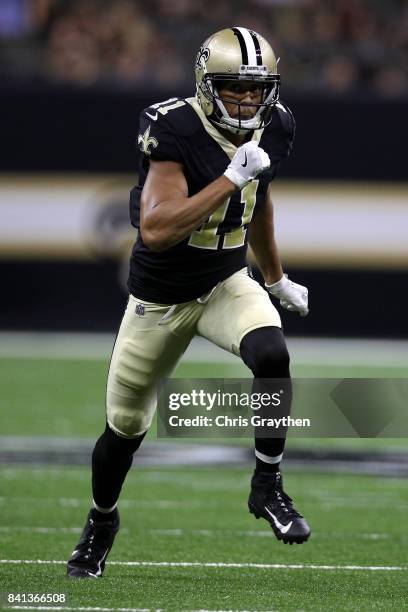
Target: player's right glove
248,161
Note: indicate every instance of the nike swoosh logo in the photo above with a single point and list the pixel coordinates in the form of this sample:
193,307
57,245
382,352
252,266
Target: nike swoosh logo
154,117
99,571
93,575
246,161
282,528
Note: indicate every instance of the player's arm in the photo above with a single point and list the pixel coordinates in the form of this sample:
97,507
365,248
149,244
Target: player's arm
262,241
168,215
263,244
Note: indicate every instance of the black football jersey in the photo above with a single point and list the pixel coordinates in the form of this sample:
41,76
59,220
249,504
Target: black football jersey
178,130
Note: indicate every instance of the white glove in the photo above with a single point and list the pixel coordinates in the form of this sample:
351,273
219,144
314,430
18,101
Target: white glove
248,161
291,295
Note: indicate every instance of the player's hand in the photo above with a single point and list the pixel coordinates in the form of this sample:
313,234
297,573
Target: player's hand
249,161
291,295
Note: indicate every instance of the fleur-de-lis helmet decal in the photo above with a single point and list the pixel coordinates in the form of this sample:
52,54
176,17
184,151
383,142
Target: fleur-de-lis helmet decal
202,57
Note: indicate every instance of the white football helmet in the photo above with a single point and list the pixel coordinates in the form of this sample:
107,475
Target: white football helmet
236,54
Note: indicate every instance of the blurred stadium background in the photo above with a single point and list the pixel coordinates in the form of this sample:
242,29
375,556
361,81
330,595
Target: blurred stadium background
74,77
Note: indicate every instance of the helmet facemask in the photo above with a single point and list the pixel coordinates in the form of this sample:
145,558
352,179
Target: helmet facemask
241,123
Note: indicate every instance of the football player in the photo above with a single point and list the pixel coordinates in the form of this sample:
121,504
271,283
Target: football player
203,195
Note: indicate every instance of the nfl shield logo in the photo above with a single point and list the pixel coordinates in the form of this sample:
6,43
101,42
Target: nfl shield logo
140,310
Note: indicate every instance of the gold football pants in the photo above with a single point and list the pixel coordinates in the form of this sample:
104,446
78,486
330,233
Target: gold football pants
153,337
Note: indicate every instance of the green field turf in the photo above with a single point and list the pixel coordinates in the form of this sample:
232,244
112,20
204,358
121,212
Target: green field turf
193,518
199,516
66,397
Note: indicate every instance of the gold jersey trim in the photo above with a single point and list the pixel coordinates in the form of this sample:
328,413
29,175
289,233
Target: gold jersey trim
228,147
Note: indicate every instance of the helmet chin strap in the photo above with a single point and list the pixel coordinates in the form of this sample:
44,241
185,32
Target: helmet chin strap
228,128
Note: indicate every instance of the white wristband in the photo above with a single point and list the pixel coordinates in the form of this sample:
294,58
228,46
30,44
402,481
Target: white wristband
282,282
235,178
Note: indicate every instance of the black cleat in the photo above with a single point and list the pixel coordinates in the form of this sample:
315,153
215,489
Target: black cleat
269,501
89,557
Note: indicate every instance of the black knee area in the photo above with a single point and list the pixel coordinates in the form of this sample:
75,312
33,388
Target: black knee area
113,447
119,444
264,351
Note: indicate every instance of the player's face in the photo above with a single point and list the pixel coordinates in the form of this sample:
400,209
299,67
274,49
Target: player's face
247,93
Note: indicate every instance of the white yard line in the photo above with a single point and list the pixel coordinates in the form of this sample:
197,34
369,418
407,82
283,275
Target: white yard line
73,502
166,504
221,565
81,608
328,351
46,530
98,609
210,533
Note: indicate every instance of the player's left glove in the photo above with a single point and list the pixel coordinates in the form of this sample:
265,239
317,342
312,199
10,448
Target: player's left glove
291,295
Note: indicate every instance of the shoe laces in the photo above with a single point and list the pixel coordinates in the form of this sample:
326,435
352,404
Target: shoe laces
276,497
284,501
88,547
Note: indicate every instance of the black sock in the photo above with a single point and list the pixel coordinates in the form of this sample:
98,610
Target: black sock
270,448
264,352
111,460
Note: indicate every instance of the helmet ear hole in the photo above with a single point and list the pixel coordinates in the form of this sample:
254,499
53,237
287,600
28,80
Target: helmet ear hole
205,98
